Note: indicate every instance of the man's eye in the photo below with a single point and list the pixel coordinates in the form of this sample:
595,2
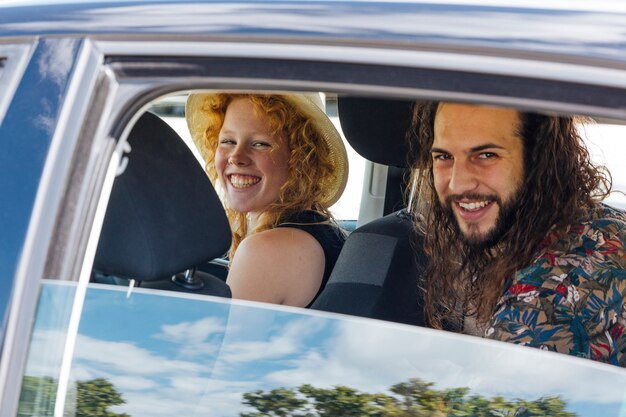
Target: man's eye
441,157
487,155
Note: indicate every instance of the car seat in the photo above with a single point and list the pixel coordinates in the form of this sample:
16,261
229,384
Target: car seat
163,218
378,269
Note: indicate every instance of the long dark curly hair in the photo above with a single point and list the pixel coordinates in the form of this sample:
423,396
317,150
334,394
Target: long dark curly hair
560,185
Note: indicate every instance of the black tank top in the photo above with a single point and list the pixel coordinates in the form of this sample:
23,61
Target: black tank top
329,236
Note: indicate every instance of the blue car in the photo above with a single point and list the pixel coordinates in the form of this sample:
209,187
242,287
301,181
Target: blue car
113,298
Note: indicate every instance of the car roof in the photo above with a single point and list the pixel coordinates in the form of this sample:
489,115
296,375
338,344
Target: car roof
594,30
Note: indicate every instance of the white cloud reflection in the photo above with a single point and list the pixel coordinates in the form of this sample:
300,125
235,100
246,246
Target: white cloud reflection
128,358
270,343
263,348
191,332
55,62
45,353
373,358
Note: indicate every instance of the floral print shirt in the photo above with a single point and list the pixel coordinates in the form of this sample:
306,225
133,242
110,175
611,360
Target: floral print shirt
571,298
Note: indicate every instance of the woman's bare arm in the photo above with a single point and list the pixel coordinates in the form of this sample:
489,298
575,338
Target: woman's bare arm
282,266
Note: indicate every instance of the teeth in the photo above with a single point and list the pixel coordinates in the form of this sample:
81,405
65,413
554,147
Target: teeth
474,205
243,181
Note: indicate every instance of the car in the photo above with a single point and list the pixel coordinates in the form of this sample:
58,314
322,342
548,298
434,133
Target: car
112,295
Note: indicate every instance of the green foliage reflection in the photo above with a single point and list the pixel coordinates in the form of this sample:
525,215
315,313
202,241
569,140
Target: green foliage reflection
92,398
414,398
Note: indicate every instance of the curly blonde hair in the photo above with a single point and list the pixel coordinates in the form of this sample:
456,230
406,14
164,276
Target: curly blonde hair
310,164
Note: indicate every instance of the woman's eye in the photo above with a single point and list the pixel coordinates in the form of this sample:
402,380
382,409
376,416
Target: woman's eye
261,145
227,141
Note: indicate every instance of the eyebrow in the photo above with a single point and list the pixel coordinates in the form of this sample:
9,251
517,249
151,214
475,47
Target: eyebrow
472,150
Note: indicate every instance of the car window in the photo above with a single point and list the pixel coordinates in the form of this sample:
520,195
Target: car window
145,349
147,353
142,350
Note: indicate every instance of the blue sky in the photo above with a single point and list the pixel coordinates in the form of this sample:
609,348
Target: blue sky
175,354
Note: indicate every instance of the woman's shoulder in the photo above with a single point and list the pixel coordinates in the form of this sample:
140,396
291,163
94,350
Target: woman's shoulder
284,239
281,265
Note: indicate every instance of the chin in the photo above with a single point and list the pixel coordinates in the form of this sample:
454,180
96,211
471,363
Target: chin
239,207
481,239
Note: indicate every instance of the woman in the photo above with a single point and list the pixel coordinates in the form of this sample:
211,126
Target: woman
280,164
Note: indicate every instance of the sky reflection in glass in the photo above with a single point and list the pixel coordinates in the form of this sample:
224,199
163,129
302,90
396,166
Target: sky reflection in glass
172,354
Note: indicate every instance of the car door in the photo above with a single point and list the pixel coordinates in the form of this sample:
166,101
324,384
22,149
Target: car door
68,339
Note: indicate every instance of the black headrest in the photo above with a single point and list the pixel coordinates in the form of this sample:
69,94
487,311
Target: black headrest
163,216
376,128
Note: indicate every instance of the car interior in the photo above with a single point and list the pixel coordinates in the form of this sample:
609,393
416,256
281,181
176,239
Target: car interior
377,270
165,227
163,218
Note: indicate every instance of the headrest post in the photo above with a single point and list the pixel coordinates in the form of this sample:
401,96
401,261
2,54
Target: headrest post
188,280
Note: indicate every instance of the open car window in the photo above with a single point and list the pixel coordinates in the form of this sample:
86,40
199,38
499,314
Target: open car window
151,349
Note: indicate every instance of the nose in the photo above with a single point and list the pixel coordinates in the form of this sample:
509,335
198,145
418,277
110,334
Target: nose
239,156
462,178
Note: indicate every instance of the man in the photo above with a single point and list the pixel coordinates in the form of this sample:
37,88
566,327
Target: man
520,247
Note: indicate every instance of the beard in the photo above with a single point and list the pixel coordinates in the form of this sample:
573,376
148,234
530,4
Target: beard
504,222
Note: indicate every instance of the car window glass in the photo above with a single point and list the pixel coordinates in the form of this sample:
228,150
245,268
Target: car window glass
49,343
145,353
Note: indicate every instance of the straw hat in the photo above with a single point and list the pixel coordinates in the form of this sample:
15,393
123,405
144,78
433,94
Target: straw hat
310,106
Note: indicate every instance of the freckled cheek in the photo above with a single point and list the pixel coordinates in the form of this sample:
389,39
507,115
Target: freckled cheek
281,172
220,162
280,165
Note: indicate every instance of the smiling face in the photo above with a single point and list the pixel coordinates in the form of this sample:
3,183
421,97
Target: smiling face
478,168
252,164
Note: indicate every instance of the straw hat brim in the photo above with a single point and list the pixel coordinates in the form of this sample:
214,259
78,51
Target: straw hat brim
309,106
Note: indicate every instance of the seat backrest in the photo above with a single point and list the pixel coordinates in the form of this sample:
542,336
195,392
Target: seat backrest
378,269
375,128
376,275
163,216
